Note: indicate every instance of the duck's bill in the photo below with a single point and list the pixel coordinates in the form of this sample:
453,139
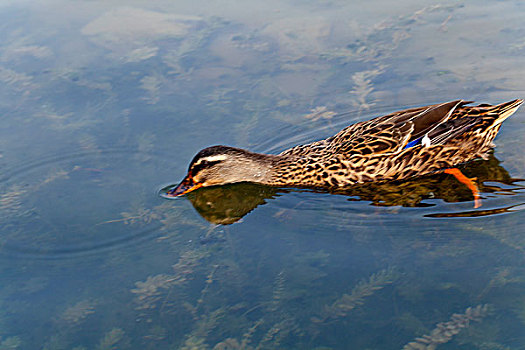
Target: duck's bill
186,186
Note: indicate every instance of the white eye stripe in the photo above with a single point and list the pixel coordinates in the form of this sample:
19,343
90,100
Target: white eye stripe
211,159
215,158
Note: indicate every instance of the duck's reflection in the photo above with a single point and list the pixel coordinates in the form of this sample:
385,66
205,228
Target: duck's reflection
488,175
228,204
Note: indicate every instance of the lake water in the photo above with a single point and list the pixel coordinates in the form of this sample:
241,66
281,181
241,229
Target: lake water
102,105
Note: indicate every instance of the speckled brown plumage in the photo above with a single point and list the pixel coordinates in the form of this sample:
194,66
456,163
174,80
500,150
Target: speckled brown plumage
375,150
397,146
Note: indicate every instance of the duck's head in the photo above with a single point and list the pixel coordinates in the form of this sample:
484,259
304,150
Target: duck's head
220,165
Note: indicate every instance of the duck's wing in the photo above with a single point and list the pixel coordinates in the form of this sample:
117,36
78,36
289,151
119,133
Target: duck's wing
392,133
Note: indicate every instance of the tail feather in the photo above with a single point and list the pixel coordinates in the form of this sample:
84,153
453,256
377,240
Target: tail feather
487,118
505,110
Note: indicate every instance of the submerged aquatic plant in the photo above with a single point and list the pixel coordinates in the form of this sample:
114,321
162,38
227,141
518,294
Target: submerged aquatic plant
363,87
10,343
153,290
111,340
152,84
278,292
231,344
204,325
138,215
444,331
365,288
149,292
277,333
78,312
320,112
248,335
269,331
383,38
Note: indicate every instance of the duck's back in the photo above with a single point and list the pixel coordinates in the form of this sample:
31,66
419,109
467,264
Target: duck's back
408,143
394,132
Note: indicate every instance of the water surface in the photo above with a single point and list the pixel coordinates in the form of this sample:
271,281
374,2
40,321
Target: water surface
101,105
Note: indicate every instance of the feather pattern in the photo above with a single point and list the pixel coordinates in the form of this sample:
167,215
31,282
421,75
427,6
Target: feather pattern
397,146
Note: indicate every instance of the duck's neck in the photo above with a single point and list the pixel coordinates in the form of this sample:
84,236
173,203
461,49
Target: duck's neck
291,170
310,171
278,170
255,167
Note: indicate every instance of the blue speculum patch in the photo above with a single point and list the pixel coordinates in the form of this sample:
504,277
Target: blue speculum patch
414,143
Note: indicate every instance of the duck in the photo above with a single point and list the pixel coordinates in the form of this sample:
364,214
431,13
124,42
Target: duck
395,147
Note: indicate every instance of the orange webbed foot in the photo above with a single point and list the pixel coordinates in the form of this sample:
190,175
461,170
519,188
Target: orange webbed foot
468,182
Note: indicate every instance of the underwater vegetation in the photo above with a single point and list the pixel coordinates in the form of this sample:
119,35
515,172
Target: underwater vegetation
446,330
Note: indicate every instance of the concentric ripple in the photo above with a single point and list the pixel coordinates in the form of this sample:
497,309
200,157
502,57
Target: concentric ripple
77,203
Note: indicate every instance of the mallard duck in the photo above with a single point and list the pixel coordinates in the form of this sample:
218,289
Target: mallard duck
397,146
224,205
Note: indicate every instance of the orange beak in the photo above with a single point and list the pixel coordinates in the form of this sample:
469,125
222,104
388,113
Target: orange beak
186,186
